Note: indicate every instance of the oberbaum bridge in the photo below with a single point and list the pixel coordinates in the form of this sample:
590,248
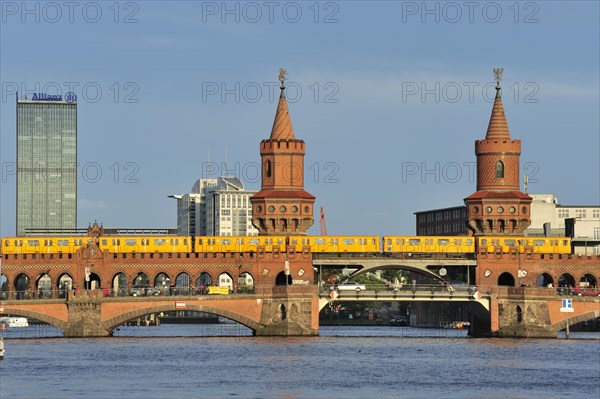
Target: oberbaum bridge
287,295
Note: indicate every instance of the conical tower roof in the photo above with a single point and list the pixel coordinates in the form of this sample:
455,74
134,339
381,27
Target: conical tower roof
498,128
282,126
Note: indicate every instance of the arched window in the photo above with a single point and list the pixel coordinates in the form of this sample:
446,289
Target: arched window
268,168
499,170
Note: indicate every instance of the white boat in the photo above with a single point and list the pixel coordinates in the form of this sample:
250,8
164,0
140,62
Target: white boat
14,321
1,348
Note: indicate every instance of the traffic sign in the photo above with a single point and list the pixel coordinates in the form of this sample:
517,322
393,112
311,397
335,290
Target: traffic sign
567,306
333,294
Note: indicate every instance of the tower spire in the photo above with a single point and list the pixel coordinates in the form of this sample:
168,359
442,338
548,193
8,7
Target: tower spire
282,126
498,128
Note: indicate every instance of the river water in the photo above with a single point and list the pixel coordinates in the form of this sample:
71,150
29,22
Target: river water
185,361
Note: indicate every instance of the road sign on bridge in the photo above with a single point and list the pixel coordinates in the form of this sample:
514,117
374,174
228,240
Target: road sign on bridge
567,306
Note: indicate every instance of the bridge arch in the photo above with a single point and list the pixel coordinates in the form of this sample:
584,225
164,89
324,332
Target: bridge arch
561,325
566,279
588,280
140,278
204,279
543,280
119,284
30,314
423,271
506,279
119,320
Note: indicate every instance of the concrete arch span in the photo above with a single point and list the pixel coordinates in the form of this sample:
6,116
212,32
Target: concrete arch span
110,324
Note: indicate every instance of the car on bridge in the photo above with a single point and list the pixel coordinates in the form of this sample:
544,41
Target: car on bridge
586,291
349,286
143,290
400,321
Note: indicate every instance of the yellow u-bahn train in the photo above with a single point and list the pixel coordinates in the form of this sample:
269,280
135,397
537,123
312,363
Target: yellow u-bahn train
271,244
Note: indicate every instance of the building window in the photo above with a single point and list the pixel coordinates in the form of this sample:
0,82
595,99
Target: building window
563,213
268,168
580,213
596,213
499,170
596,233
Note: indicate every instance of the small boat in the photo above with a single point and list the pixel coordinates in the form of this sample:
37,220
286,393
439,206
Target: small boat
14,321
1,348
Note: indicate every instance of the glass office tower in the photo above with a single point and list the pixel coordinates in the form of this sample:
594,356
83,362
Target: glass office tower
46,164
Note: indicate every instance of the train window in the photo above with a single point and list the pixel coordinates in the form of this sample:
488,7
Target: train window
48,243
6,243
388,241
65,243
77,242
483,241
199,241
469,242
280,241
510,242
335,241
538,243
414,241
294,241
33,243
254,241
565,243
400,241
174,242
145,241
374,241
443,242
160,242
225,242
104,242
348,241
319,241
130,242
185,241
116,242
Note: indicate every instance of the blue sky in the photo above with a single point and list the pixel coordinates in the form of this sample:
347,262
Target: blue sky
389,97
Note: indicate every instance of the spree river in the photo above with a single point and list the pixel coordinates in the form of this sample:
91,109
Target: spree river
185,361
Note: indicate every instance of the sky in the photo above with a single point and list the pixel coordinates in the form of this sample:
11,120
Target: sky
389,97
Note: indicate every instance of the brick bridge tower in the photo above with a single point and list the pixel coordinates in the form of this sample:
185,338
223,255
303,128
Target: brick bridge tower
498,207
282,207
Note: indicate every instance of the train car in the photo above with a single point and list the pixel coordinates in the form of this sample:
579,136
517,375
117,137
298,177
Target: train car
541,245
41,245
342,244
131,244
428,244
210,244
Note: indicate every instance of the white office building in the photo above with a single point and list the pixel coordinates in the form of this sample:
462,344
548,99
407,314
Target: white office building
582,222
215,207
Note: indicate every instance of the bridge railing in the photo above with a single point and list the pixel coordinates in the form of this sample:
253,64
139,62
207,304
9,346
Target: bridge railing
105,293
